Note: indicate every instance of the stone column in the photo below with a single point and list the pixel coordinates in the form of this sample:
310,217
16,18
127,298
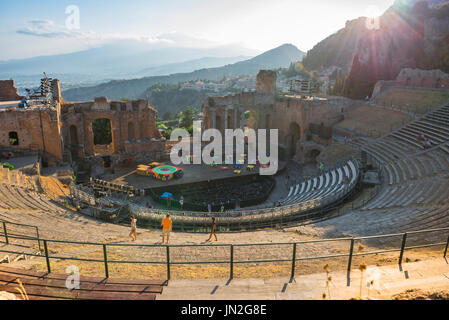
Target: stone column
235,118
214,118
226,119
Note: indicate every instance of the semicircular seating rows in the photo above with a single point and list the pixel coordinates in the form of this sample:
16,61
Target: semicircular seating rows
308,203
329,183
413,176
19,191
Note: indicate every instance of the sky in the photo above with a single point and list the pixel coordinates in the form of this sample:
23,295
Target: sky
34,28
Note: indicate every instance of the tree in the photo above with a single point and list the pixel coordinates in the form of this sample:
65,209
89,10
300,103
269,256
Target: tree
167,116
102,131
187,118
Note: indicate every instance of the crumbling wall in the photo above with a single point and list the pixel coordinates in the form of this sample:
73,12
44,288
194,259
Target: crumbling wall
123,115
8,92
36,130
266,81
415,78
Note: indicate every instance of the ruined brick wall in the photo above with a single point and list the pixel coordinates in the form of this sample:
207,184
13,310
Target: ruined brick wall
56,90
68,126
266,81
8,92
291,116
415,78
36,129
133,125
423,82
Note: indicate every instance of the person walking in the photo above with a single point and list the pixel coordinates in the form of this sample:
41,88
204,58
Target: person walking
212,232
166,228
181,201
133,233
321,167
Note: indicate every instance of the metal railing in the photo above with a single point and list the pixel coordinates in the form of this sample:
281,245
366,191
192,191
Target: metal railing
232,261
7,233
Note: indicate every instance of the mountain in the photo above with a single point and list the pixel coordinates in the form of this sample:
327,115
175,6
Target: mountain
409,34
189,66
279,57
75,80
125,59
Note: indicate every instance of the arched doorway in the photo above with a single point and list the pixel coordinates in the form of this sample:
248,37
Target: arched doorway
103,140
13,138
311,155
267,121
131,133
219,124
230,120
293,136
73,135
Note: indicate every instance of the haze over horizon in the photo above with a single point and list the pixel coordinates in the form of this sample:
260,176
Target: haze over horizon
30,28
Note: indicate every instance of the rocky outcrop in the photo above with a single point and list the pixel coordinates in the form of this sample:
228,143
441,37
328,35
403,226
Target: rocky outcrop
411,34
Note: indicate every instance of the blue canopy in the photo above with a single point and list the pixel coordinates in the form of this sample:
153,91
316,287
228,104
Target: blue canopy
166,195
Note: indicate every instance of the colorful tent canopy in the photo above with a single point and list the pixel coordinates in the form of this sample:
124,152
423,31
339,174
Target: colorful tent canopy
167,195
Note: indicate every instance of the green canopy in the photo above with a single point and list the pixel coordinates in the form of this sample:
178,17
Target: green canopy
247,114
7,165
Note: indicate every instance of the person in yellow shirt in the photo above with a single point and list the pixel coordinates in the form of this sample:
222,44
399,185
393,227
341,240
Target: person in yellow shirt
133,233
166,228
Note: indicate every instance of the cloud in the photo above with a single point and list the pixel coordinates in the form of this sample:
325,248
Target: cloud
48,29
45,28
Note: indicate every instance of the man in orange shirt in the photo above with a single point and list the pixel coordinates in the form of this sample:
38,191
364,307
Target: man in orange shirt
166,228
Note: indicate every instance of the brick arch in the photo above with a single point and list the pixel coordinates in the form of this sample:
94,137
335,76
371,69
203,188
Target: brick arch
100,149
73,135
292,138
131,131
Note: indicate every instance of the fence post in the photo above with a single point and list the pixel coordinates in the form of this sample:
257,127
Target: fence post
168,262
351,251
404,239
38,239
445,249
47,257
5,233
293,261
105,256
231,275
